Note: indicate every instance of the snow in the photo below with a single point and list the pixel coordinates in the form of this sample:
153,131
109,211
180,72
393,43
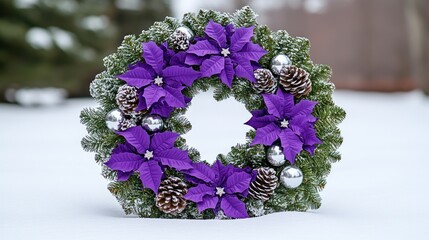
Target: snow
37,96
51,189
39,38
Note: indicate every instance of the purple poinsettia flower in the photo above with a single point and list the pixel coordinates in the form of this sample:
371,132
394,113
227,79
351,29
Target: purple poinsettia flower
147,155
225,52
219,187
160,79
292,124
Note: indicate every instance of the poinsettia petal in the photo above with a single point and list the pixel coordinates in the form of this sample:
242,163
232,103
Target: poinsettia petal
174,158
213,65
152,94
244,70
310,149
154,56
280,105
304,107
123,147
298,123
150,175
266,135
125,162
227,74
308,134
184,75
162,109
174,97
168,53
219,170
233,207
178,59
274,105
250,51
196,194
291,144
142,102
139,75
123,176
163,141
208,202
229,30
202,172
202,48
192,59
137,137
216,32
259,112
260,121
287,102
240,37
237,182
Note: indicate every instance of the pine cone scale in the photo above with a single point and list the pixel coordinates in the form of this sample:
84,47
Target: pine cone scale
127,99
265,81
170,196
295,81
264,185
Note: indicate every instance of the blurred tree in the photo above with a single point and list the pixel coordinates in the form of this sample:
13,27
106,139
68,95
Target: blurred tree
418,25
61,43
133,16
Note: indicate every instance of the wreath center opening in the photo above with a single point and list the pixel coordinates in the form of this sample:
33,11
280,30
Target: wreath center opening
216,126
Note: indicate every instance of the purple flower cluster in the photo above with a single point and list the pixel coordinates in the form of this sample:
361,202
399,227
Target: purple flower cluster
292,124
219,187
147,155
225,52
160,79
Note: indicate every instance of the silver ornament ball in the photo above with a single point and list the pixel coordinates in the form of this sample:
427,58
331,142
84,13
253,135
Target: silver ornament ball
278,62
152,123
275,156
114,119
188,32
291,177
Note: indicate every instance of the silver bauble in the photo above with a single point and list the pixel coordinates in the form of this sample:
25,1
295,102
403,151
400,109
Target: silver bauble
278,62
275,156
291,177
114,119
152,123
185,30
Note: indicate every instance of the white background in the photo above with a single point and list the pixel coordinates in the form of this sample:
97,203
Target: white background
51,189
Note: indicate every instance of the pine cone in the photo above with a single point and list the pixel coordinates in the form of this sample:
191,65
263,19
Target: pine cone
179,40
127,99
265,81
126,123
295,80
170,195
265,183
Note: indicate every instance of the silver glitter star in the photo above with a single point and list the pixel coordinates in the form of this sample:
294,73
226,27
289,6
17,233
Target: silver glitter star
284,123
148,154
225,52
220,191
159,81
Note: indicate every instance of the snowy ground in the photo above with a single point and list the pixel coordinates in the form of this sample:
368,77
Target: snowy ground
51,189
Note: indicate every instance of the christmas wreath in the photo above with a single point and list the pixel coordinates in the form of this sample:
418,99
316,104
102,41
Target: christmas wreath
148,85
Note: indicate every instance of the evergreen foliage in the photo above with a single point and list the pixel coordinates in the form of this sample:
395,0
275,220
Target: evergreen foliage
315,168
